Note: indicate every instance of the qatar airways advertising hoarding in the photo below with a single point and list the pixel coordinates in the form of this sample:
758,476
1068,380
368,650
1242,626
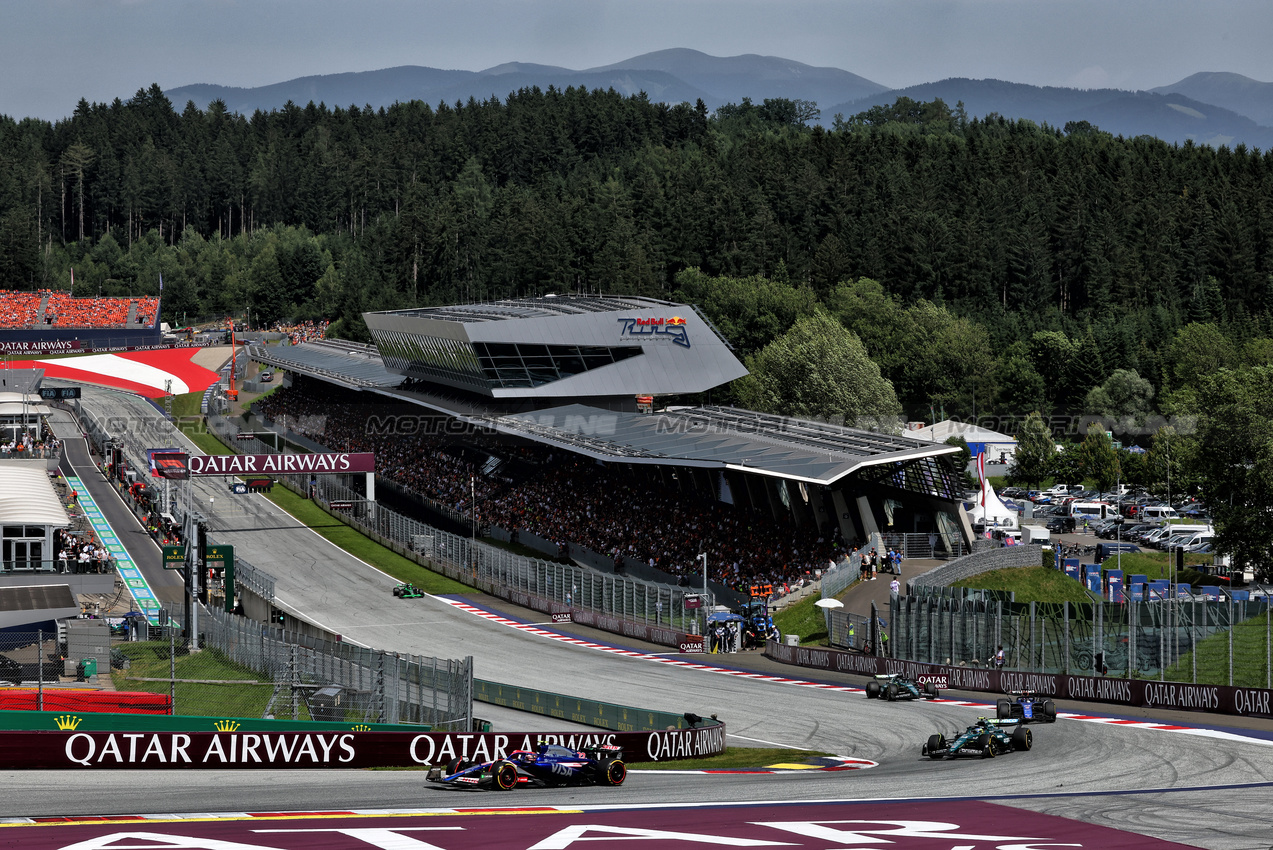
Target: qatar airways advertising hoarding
318,463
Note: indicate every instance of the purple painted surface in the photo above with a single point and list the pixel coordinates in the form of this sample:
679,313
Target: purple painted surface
898,826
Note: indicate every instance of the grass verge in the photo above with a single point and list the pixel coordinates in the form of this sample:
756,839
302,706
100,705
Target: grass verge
1030,584
805,619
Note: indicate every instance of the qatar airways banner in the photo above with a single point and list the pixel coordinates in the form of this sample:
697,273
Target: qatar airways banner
354,749
325,463
1218,699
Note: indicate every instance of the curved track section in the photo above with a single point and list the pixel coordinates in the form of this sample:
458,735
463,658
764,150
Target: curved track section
1167,782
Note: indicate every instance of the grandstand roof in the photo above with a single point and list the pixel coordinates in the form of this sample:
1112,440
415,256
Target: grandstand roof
347,364
18,380
27,496
716,437
709,437
533,308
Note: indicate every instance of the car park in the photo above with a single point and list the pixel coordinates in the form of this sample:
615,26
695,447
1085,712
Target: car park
547,766
984,739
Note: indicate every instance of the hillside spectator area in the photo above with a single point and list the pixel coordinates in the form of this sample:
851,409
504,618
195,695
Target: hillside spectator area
46,308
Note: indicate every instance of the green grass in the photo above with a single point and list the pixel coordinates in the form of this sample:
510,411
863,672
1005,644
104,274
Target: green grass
1250,657
1030,584
1157,565
342,535
149,660
805,619
186,404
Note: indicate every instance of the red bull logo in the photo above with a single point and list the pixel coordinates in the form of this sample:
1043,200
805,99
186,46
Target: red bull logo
673,329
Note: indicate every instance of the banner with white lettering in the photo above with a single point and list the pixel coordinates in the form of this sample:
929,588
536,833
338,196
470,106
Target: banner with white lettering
352,749
317,463
1219,699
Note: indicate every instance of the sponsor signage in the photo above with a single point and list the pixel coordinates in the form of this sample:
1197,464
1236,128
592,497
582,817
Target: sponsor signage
1220,699
171,465
670,329
59,393
692,601
324,750
238,487
561,617
174,557
938,680
692,644
341,506
41,346
317,463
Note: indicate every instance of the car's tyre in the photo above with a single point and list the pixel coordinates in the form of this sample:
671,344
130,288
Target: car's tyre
455,765
930,690
892,691
1003,709
987,746
505,776
1022,738
1049,711
615,772
873,690
936,743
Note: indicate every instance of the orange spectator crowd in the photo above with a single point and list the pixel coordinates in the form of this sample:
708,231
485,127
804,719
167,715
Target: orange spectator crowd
22,310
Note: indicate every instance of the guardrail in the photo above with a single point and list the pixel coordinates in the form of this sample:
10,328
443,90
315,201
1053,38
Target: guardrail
604,715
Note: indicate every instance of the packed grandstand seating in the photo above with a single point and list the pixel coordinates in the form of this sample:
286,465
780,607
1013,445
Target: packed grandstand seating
303,332
22,310
563,497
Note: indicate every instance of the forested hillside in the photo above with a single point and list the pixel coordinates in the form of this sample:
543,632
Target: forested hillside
984,264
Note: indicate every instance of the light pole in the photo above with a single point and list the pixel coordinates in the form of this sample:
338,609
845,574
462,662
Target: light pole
702,556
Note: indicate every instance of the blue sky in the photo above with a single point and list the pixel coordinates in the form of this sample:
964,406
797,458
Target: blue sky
53,52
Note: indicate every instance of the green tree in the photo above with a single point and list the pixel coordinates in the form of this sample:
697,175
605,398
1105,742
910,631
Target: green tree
1125,398
819,370
1236,467
1100,461
1036,452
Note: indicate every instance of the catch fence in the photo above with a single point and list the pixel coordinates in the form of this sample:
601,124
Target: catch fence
1192,640
469,559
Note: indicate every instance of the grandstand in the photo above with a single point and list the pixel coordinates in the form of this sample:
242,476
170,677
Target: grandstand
28,319
541,410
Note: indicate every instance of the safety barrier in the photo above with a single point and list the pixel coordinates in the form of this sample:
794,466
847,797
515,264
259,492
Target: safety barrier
1218,699
604,715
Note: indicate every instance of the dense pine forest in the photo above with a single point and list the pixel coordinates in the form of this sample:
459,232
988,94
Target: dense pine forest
985,265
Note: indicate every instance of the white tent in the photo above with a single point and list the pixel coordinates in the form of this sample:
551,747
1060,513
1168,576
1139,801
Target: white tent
990,511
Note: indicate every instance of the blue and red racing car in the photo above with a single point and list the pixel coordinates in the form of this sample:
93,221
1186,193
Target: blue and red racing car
548,766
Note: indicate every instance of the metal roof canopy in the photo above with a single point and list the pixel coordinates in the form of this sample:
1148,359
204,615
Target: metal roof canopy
21,606
533,308
347,364
27,495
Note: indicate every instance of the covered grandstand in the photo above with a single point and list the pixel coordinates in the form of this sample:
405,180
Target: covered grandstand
540,384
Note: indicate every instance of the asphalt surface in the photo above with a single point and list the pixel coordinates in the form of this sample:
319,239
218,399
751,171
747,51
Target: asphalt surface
1208,789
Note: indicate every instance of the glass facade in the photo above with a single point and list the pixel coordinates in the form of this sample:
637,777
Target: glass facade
485,366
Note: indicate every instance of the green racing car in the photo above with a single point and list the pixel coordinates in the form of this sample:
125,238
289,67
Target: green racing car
984,739
408,591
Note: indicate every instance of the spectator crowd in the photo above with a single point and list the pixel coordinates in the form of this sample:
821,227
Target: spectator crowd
614,509
22,310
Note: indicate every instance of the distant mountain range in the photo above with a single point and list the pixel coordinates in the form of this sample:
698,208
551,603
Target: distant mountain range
1209,108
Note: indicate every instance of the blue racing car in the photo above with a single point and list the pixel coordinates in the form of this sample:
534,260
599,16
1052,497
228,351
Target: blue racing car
548,766
1028,707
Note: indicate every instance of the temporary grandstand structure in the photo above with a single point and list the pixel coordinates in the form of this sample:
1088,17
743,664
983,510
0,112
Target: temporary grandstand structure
52,320
568,372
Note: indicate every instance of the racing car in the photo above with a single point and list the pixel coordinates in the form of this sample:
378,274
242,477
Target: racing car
984,739
408,591
549,765
894,686
1028,707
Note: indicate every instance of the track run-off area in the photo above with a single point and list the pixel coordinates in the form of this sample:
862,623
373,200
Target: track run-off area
1093,779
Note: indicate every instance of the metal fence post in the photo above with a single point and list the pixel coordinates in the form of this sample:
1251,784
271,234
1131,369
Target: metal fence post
1065,659
1032,641
1193,638
1230,641
172,668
